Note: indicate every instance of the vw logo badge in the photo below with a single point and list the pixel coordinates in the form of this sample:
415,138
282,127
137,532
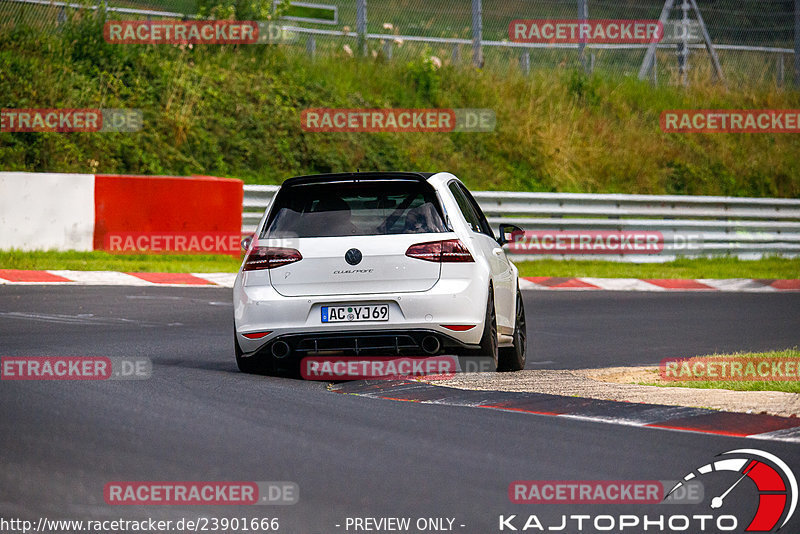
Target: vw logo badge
353,256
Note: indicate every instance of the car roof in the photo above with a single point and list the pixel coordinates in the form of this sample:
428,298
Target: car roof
356,176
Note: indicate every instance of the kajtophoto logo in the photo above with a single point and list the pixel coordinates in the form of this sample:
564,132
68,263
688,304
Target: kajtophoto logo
775,483
774,488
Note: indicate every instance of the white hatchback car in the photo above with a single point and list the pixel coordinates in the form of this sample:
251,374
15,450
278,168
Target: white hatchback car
378,263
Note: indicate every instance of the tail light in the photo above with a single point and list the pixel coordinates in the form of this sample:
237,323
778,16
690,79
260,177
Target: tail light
270,257
457,327
448,251
257,335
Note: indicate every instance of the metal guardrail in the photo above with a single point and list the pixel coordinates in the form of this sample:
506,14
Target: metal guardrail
256,200
105,7
692,226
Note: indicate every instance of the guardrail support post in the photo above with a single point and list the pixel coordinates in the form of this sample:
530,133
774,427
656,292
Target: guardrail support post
650,55
361,25
583,15
780,73
311,46
525,62
477,33
709,45
797,43
388,49
683,45
655,69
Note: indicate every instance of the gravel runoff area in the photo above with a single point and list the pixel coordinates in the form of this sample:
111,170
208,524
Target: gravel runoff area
620,384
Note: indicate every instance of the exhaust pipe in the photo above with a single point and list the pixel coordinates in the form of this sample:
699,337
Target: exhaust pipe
280,349
431,344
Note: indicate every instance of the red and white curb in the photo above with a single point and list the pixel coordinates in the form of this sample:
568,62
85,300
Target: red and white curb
112,278
655,416
636,284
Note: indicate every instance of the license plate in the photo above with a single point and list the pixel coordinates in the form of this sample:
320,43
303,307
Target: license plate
353,314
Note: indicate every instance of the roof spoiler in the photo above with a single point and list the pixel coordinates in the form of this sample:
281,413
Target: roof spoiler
356,176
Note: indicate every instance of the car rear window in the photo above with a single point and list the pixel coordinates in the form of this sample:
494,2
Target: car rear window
381,207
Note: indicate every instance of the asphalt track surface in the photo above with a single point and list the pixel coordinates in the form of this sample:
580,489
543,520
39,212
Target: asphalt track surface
198,418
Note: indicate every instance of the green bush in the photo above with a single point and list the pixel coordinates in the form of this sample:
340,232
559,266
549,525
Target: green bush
235,111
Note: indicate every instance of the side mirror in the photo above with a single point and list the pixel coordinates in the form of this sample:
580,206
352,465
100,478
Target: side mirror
509,229
246,242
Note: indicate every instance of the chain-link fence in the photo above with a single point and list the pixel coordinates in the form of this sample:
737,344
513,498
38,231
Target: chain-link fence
755,40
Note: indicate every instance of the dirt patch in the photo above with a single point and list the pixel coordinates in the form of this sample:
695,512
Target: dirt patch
619,383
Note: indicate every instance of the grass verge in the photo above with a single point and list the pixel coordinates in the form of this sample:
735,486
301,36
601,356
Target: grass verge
103,261
788,386
781,268
768,268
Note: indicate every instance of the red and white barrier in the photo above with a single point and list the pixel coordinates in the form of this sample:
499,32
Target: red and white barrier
45,211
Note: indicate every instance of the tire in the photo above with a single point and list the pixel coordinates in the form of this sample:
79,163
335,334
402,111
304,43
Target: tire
489,339
251,365
513,358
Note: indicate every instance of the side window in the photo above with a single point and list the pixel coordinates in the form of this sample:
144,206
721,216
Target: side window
465,207
485,228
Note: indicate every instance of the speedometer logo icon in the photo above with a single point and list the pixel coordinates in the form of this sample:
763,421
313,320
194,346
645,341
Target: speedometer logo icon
774,481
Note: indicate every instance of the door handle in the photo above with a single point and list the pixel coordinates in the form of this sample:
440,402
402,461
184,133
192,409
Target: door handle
497,251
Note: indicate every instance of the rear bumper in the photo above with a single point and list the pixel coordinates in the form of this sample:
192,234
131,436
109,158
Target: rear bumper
412,315
365,343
